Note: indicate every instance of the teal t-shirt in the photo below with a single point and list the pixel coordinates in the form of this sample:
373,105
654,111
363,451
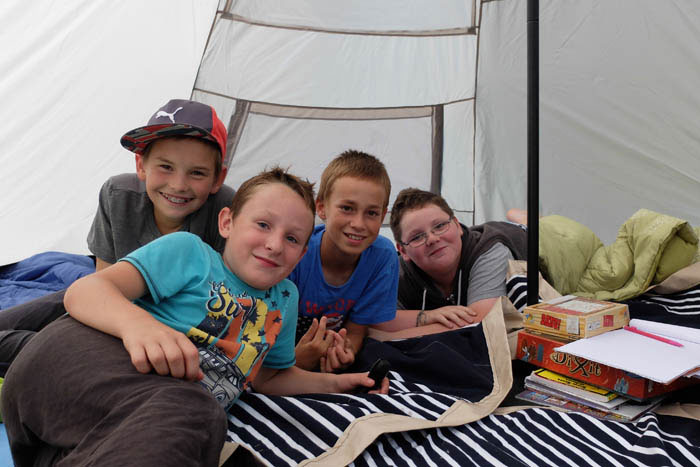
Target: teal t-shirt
236,327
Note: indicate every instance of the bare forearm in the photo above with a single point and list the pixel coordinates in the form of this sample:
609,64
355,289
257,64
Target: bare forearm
404,319
100,264
98,303
482,308
356,335
294,380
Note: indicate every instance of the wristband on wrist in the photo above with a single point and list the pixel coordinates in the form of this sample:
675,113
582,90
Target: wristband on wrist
420,318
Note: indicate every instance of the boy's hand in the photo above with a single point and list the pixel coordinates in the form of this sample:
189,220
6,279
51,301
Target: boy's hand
348,382
155,346
313,345
449,316
340,355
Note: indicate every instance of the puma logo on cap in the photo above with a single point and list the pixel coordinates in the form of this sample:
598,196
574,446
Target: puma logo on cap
171,116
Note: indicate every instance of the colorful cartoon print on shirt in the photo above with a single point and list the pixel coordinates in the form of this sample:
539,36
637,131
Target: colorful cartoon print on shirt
242,329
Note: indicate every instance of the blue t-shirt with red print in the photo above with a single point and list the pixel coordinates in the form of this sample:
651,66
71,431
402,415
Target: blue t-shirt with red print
368,297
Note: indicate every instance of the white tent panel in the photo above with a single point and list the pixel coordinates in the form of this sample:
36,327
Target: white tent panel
75,76
500,151
307,68
458,159
307,145
360,15
619,120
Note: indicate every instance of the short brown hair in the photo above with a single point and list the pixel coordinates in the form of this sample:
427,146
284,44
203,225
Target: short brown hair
410,199
218,164
357,164
276,174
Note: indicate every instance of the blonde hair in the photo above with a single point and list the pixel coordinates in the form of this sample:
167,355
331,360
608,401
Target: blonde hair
352,163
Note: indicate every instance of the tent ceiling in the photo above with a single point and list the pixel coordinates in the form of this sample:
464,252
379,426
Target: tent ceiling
388,16
316,69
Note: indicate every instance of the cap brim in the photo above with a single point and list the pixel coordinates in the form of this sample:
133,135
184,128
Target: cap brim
138,139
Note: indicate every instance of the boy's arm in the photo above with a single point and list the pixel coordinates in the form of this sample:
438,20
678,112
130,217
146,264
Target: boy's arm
356,335
101,264
103,301
480,309
294,380
448,316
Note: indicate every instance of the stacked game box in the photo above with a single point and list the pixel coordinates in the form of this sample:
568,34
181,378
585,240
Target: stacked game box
538,349
571,317
577,383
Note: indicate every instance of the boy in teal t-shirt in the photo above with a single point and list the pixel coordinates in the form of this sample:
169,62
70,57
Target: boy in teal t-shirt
234,326
225,322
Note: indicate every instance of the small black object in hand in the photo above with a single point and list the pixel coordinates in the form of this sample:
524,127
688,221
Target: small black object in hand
378,372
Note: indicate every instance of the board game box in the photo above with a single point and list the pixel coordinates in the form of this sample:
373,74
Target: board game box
539,350
572,317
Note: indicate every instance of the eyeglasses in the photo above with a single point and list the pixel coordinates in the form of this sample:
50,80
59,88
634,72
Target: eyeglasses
438,229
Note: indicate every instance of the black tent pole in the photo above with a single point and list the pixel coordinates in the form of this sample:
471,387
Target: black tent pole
533,146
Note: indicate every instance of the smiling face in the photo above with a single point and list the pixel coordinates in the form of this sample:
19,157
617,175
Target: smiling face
439,255
179,176
267,237
353,213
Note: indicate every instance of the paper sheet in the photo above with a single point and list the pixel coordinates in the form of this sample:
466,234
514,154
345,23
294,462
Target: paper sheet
643,356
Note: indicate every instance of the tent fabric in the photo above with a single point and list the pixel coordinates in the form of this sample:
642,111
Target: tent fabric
619,126
618,120
389,17
76,75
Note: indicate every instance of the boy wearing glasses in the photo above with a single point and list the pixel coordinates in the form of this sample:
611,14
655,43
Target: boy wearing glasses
450,274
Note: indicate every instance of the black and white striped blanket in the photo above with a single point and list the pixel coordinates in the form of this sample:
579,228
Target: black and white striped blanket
542,437
415,425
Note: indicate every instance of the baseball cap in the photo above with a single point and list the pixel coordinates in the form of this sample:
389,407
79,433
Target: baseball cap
179,117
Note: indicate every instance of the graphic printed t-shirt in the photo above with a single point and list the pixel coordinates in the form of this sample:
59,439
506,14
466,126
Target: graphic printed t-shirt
236,328
368,297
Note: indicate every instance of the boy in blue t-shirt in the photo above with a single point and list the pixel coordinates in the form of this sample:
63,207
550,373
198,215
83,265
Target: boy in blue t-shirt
348,278
226,321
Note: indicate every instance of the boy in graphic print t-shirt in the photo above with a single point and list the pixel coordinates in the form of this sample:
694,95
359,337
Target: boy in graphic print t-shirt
237,307
138,399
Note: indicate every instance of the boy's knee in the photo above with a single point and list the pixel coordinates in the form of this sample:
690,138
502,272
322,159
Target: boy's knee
183,420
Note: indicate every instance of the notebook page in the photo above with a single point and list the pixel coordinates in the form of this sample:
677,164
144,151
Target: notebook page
641,355
667,330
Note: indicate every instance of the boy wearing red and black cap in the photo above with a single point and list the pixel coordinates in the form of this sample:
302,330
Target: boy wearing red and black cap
178,186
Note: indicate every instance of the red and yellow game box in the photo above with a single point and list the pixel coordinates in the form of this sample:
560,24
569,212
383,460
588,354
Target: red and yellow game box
539,350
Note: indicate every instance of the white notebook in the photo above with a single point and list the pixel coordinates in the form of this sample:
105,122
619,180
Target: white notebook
641,355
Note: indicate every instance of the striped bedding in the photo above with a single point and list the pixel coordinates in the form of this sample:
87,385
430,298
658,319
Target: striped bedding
541,437
412,426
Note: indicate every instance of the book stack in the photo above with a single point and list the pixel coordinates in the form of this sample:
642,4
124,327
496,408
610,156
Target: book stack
542,351
553,389
577,383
